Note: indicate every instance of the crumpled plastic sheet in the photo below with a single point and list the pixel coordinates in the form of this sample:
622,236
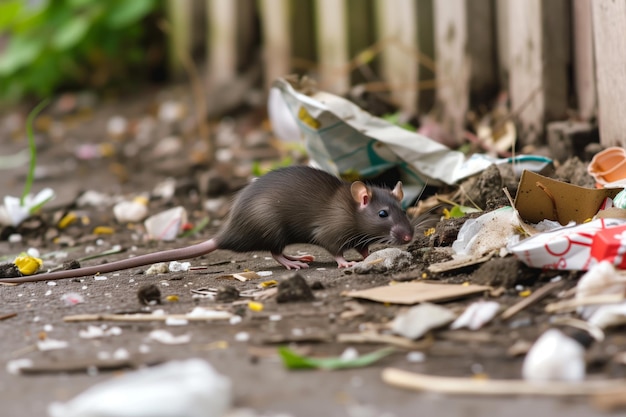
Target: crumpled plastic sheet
340,137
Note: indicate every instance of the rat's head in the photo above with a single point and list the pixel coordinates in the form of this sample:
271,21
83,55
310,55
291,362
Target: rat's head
379,214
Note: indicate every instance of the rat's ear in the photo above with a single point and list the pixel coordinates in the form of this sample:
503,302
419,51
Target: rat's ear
361,193
397,192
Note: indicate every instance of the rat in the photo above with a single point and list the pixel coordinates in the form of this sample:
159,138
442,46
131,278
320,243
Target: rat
297,204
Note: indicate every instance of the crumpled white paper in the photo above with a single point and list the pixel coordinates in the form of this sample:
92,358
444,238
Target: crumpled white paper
555,357
190,388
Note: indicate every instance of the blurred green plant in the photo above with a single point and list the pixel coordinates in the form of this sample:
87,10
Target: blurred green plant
59,43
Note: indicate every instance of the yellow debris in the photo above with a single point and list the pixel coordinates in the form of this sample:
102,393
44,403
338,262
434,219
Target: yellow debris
68,219
103,230
255,306
172,298
28,265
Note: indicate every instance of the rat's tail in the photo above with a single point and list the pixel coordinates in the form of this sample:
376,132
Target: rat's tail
148,259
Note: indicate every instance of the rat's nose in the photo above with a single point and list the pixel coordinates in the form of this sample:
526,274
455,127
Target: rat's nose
407,237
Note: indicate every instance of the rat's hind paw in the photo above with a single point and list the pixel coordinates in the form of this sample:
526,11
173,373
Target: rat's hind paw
342,263
292,262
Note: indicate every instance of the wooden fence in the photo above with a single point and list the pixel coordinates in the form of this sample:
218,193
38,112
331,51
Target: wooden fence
557,59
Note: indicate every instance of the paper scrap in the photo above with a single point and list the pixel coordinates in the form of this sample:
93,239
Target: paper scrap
417,292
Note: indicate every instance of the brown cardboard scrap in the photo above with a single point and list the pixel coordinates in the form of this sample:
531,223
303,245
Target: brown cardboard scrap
539,198
416,292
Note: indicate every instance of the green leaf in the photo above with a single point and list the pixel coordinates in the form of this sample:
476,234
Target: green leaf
127,12
71,33
20,52
9,10
294,361
30,177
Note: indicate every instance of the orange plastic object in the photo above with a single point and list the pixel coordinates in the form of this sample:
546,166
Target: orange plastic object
608,165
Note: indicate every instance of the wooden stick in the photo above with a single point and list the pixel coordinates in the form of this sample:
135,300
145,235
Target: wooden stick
568,305
7,316
143,317
531,299
373,337
451,385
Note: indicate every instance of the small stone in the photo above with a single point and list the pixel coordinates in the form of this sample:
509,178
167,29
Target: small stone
389,259
9,271
294,288
149,295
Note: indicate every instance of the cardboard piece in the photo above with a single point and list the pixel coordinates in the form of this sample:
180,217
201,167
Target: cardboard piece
417,292
568,203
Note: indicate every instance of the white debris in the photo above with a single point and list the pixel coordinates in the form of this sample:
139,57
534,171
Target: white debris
349,354
190,388
209,314
121,354
491,231
93,332
165,337
602,278
176,266
476,315
100,277
51,344
415,357
554,357
14,211
418,320
384,260
242,337
236,319
15,366
130,211
72,298
174,321
608,315
117,127
166,225
159,268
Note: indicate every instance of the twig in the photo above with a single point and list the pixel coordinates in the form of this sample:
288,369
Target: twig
143,317
531,299
568,305
451,385
373,337
7,316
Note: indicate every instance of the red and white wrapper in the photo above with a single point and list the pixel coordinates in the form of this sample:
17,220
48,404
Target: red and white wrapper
576,247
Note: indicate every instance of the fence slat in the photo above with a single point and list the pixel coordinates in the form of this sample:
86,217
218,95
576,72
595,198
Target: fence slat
276,38
584,75
539,57
453,67
332,43
397,20
464,52
609,27
222,40
179,34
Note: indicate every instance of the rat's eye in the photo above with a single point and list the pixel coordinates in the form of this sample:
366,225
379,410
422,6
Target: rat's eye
383,213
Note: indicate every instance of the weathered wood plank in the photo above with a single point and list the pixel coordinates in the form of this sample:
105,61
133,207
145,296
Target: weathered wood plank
397,20
539,42
464,52
609,27
502,41
179,34
453,66
584,72
222,40
276,38
332,43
